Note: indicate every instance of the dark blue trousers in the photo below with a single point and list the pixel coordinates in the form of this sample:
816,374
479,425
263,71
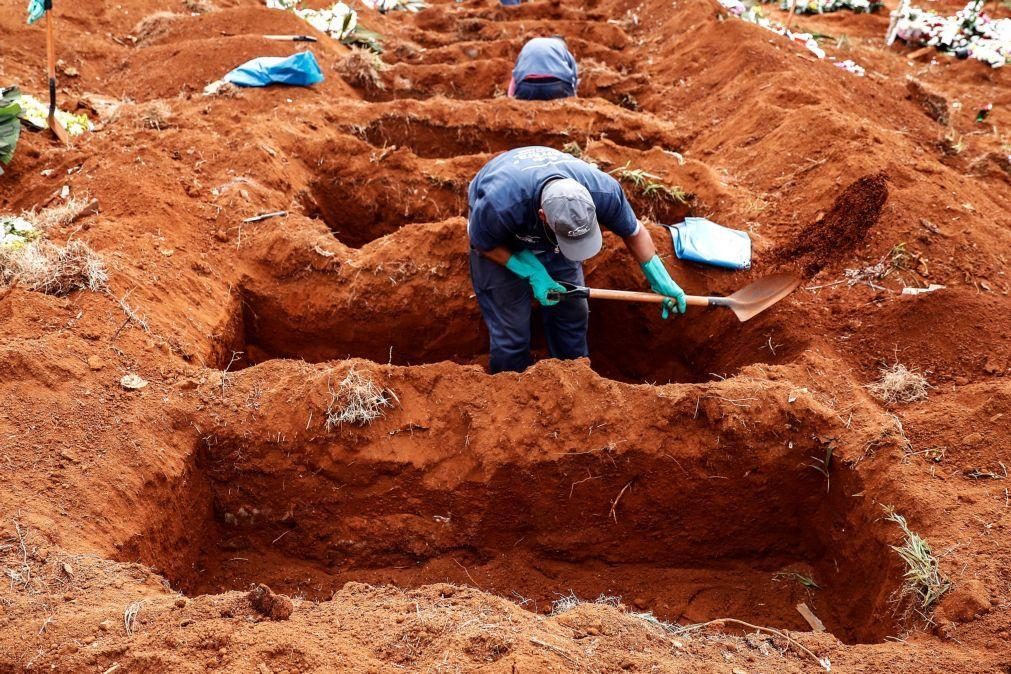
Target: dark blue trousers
506,302
543,90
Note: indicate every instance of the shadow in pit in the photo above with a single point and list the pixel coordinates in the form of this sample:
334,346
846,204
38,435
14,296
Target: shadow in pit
482,79
628,342
379,191
367,197
428,138
741,533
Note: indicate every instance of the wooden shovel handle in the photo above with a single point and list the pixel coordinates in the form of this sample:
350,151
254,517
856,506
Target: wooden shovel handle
631,296
50,48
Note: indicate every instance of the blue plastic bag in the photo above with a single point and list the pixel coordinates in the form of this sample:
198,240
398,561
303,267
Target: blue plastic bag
298,69
699,240
36,8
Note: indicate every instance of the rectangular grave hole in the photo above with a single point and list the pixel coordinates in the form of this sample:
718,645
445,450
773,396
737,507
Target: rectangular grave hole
625,343
689,543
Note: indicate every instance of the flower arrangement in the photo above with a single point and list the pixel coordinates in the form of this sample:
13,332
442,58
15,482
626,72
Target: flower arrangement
16,231
753,14
36,113
970,33
338,21
384,6
826,6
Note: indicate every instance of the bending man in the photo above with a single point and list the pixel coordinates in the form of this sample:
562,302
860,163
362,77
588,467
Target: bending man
535,215
545,70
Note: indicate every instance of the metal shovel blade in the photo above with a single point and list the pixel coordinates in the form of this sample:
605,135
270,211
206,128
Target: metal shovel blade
54,125
756,297
58,130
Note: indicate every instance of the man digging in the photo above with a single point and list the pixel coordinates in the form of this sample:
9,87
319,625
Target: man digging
535,215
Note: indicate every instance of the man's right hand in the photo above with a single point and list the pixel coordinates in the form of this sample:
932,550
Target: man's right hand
526,265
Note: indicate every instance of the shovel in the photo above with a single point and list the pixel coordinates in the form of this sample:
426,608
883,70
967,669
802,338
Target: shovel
746,303
56,127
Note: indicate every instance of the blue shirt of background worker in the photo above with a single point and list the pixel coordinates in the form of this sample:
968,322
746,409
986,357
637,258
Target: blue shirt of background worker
545,70
535,215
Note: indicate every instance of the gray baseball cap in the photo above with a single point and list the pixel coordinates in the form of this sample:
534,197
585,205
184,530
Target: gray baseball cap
571,215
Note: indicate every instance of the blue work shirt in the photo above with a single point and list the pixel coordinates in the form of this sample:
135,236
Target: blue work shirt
505,196
547,57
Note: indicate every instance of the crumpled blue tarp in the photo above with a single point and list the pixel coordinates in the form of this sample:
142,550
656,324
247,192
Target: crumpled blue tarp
298,69
36,8
700,240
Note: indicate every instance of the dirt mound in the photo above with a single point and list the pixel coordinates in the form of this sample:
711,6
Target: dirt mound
838,233
919,331
273,606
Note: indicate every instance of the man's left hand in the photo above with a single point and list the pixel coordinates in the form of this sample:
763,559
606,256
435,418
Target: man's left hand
661,283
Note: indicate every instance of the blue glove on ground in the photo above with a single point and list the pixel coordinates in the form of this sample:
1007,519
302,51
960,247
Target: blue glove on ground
35,10
525,264
661,283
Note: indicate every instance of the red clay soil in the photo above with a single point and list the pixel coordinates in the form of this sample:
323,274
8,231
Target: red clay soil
844,227
589,516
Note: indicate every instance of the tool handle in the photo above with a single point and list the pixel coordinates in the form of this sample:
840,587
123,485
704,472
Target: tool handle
51,59
631,296
571,292
50,49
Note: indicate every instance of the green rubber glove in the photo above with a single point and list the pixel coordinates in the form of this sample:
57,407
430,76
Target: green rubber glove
661,283
526,265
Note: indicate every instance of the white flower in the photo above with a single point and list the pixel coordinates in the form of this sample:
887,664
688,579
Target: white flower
36,112
339,21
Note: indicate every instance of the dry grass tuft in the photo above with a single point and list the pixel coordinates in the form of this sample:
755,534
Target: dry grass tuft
924,581
361,67
153,27
155,115
357,400
222,89
199,6
570,601
565,603
899,384
59,215
45,267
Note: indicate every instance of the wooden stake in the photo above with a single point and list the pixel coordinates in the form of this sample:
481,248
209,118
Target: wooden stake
810,617
893,25
793,13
